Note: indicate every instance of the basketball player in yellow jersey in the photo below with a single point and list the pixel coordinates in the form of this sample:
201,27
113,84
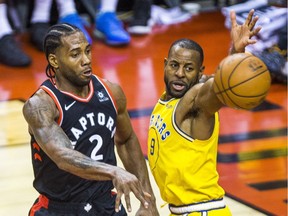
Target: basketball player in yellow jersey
184,128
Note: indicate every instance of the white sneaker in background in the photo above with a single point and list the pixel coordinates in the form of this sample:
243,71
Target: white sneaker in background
168,16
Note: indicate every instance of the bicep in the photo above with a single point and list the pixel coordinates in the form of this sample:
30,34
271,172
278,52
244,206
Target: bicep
124,128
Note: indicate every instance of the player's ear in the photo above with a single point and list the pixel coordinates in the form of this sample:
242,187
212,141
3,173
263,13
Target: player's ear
202,68
200,74
165,61
201,71
52,60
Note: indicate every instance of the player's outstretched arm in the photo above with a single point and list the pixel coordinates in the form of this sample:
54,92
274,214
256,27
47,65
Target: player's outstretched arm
241,35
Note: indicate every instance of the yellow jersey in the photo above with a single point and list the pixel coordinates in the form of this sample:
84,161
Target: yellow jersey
184,168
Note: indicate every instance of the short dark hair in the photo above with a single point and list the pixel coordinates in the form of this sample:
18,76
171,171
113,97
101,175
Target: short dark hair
188,44
52,40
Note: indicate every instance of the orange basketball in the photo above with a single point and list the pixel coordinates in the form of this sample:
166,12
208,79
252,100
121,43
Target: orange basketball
242,81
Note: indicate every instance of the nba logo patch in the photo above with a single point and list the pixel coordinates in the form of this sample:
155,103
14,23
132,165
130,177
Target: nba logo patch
101,96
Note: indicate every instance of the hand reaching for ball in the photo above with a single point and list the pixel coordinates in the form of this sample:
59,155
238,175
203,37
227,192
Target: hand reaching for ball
242,35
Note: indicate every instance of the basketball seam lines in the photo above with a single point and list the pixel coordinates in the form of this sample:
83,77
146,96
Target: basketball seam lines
221,80
231,87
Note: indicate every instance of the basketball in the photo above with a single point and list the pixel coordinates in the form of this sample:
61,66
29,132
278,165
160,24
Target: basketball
242,81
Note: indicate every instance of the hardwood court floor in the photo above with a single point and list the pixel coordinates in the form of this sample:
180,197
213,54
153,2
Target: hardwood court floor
253,144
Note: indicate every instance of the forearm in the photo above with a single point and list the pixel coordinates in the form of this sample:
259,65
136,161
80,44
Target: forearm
133,160
58,147
207,98
78,164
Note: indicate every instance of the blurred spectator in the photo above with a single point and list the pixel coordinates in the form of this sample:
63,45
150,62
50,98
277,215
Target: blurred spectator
108,26
11,53
40,20
141,22
69,14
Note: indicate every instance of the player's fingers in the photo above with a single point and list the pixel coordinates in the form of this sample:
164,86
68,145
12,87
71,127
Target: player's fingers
250,41
249,17
139,194
253,23
128,203
233,18
147,195
254,32
118,201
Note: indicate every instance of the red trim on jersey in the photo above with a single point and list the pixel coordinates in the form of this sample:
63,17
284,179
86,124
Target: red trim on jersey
54,98
108,91
76,97
43,202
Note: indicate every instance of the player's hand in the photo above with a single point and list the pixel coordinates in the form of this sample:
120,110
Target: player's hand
151,211
125,183
242,35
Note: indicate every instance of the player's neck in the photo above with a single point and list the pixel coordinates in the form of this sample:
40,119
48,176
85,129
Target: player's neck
79,91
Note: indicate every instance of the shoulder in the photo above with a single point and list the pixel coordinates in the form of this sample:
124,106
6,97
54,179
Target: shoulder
204,98
192,93
117,92
40,101
188,103
198,98
39,96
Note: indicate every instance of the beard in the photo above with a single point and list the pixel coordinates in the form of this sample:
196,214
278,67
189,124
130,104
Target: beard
174,93
77,82
170,91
